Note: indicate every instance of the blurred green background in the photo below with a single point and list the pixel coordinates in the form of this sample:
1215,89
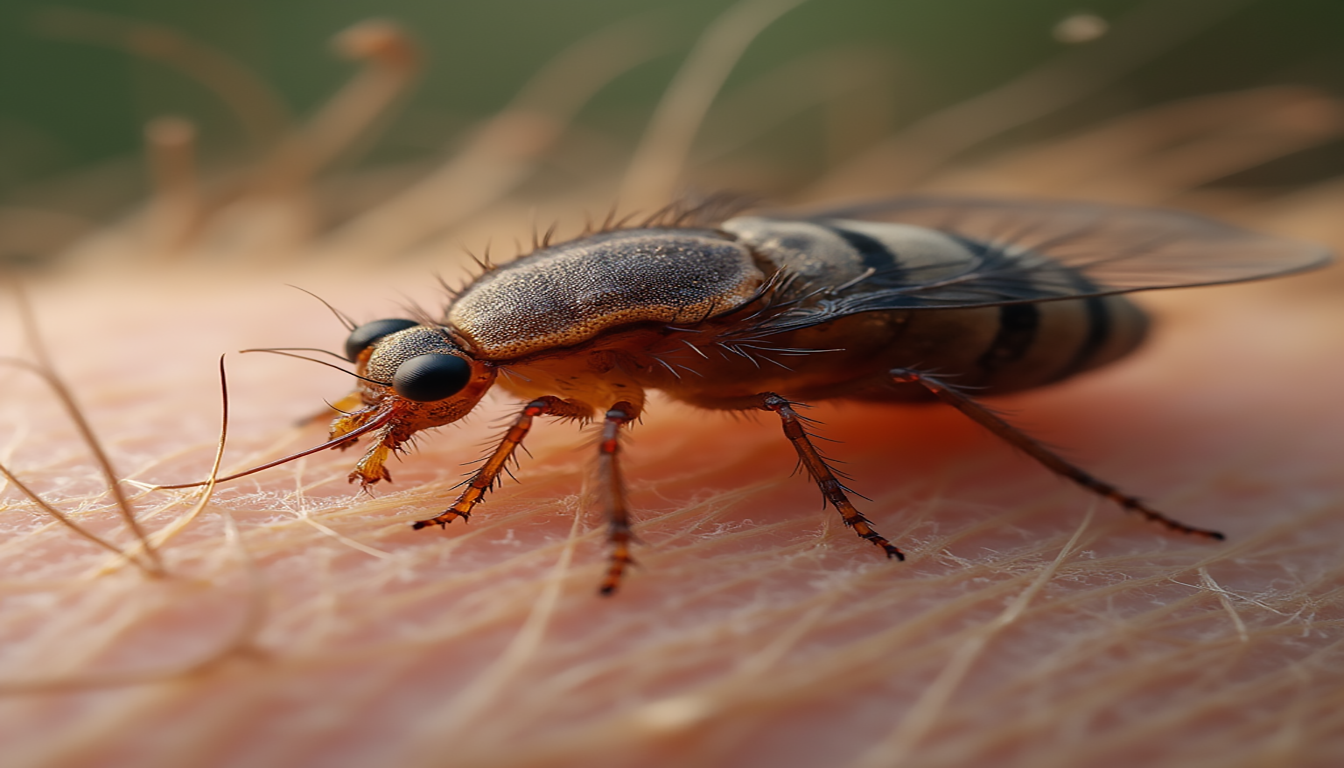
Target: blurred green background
70,110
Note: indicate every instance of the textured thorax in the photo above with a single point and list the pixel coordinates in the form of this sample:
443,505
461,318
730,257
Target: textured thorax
570,293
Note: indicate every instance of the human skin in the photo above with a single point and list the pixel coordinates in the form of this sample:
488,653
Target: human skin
1031,624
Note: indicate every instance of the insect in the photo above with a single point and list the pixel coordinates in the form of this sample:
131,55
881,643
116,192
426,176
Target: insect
906,300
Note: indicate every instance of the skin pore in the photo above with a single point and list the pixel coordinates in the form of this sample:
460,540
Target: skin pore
1031,623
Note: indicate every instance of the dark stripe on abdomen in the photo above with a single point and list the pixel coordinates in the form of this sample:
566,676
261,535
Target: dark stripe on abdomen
875,254
1018,326
1098,333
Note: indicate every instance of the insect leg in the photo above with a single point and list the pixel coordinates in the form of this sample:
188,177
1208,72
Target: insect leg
612,488
1020,440
831,488
485,477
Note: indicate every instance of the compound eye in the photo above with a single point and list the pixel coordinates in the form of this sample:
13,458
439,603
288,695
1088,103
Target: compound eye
426,378
362,337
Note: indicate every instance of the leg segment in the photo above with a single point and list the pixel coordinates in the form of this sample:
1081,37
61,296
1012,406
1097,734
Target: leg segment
485,477
831,489
987,419
612,489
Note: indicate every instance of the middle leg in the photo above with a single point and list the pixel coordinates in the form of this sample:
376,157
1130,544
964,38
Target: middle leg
831,488
612,489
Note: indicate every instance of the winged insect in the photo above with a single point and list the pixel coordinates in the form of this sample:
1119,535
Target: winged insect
901,300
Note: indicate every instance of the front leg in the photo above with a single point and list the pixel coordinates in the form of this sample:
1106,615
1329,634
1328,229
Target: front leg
486,477
831,488
372,466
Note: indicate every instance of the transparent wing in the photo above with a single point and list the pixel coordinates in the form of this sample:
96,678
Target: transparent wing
1029,251
1117,249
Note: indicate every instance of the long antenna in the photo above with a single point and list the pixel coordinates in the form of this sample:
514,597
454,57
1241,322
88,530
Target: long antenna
285,352
345,319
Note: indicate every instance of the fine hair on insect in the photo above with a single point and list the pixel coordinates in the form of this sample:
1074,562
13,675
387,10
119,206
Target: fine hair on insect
908,300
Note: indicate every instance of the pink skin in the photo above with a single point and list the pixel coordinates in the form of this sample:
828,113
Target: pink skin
758,631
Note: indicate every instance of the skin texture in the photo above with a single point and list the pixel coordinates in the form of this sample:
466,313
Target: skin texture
1030,625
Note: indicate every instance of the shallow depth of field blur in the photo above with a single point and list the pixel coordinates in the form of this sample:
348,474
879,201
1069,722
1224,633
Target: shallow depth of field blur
202,155
246,131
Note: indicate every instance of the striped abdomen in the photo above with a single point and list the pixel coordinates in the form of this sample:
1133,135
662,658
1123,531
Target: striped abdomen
999,348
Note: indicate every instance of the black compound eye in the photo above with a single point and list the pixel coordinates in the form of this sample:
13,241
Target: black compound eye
426,378
366,334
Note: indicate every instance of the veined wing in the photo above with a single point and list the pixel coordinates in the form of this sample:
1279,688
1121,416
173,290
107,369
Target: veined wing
991,252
